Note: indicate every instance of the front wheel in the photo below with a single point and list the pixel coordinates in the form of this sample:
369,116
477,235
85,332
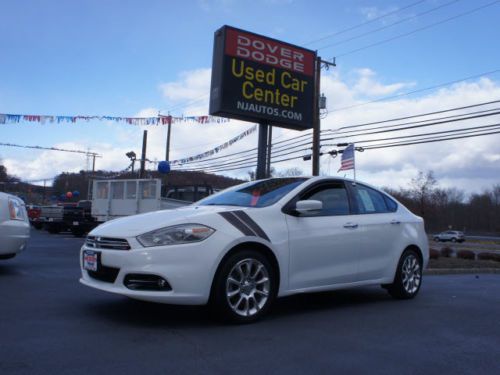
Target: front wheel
408,276
244,288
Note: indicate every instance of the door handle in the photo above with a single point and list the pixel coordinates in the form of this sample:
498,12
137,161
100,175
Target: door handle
395,222
351,225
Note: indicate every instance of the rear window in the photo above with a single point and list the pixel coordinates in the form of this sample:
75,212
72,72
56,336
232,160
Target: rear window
370,201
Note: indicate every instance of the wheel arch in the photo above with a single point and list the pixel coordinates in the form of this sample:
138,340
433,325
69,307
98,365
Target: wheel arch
249,245
417,249
394,271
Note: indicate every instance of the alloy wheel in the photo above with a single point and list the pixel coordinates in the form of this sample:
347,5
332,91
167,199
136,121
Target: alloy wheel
411,274
248,287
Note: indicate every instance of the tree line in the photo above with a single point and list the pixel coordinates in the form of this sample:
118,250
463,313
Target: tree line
451,208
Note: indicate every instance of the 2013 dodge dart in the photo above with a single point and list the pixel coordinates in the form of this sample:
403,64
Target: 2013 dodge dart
241,248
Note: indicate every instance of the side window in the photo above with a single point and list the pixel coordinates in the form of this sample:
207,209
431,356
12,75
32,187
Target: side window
369,200
131,189
102,190
117,189
334,198
391,205
147,189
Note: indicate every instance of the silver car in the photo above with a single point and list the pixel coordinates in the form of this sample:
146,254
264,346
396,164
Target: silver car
14,226
450,235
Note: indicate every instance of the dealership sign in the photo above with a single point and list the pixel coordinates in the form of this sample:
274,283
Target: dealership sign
259,79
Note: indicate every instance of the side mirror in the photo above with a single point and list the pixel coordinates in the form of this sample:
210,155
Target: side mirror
309,206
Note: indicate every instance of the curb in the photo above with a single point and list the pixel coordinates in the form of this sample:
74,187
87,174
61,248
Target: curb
459,271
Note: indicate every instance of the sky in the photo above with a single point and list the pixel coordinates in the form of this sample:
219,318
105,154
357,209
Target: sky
139,58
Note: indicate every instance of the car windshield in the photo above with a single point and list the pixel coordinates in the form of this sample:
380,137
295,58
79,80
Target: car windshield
255,194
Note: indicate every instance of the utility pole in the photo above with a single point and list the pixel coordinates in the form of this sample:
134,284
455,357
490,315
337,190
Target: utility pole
169,130
316,115
269,146
262,150
143,155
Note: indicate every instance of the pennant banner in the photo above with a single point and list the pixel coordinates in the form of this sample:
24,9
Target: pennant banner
214,150
7,118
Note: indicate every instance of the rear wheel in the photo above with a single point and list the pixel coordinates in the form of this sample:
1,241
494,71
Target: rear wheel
408,276
244,288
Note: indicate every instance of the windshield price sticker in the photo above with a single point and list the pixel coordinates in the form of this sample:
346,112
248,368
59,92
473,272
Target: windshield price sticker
256,78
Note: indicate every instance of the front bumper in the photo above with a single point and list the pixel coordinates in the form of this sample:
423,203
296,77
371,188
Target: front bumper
187,268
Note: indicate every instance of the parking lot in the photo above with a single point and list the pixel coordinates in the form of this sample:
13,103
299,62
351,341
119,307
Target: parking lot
51,324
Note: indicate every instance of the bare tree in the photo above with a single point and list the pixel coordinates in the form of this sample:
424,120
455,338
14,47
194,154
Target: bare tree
422,188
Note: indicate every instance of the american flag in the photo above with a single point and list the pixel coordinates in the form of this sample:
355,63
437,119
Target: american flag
347,161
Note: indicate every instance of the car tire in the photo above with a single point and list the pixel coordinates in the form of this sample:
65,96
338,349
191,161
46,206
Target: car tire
244,288
408,277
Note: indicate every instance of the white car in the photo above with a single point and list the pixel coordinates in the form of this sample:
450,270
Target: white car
241,248
14,226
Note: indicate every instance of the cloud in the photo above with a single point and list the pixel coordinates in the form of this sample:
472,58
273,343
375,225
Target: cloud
373,12
189,93
471,164
367,84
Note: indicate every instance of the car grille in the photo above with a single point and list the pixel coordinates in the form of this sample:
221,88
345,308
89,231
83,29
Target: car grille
96,242
104,273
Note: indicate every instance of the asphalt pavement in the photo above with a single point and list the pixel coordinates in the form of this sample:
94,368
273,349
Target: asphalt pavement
51,324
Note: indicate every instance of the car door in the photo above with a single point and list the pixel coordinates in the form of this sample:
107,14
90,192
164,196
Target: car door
379,231
323,245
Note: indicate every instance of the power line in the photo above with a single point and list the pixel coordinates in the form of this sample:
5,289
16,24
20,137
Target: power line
51,149
414,116
295,142
388,26
390,128
364,23
429,141
242,162
466,130
417,30
368,148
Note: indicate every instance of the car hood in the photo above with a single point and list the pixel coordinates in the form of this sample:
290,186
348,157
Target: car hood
135,225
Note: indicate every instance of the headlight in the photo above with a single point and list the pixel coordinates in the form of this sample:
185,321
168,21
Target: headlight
175,235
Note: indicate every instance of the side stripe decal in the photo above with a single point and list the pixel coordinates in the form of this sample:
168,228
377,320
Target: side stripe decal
252,224
237,223
244,223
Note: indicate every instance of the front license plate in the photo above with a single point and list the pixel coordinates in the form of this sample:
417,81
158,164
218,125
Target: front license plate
76,223
90,260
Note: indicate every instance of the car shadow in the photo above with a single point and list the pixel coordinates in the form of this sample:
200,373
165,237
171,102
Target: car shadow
306,303
148,314
11,269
